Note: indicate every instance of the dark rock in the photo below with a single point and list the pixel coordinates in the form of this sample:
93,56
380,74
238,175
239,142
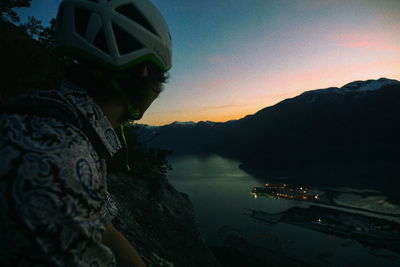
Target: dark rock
159,222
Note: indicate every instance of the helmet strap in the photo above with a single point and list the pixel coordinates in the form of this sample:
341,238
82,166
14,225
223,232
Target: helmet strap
128,166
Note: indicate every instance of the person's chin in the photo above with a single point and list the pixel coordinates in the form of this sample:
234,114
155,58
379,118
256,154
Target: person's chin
127,117
140,117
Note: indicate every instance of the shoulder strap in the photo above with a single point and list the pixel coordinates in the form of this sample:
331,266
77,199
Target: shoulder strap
49,109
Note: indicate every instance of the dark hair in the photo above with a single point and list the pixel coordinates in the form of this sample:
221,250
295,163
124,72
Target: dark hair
97,80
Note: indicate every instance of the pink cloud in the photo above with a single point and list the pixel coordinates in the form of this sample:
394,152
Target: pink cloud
364,41
330,76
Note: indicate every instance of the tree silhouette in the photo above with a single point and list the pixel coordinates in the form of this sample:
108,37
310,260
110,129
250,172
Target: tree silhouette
47,36
33,27
6,9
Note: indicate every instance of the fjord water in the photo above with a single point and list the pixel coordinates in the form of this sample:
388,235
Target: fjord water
220,193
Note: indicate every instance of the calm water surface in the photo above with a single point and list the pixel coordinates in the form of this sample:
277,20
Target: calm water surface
220,192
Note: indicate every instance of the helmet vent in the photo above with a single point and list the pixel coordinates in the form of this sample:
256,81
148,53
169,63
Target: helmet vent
131,12
126,42
100,41
82,17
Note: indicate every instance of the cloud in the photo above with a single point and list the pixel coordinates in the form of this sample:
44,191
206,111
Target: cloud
365,41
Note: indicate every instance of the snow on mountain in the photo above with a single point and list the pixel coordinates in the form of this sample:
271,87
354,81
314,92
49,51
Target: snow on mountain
210,123
179,123
191,123
369,85
357,86
149,127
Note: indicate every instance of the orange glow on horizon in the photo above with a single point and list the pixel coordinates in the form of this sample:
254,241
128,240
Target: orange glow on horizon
302,81
217,114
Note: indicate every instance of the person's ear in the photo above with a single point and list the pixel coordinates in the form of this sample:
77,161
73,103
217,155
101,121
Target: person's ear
145,71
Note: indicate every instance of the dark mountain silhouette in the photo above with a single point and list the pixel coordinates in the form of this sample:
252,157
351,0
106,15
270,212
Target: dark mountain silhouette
349,132
332,124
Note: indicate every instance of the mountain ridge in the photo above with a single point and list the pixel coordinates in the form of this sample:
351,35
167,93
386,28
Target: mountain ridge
353,134
358,86
180,137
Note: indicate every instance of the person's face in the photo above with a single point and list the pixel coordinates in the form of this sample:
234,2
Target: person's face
152,94
142,102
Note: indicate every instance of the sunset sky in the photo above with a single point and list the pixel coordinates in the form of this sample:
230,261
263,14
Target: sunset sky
235,57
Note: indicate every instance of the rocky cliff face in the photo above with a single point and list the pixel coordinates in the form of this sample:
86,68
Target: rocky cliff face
159,221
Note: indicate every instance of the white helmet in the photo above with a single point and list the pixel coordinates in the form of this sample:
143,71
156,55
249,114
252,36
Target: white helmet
116,34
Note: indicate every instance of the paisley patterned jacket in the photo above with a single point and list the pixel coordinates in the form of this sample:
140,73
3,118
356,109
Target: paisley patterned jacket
53,193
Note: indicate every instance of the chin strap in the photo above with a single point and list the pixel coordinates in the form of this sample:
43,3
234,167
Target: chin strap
125,144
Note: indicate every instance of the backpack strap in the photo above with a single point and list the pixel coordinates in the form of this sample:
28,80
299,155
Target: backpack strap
49,109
